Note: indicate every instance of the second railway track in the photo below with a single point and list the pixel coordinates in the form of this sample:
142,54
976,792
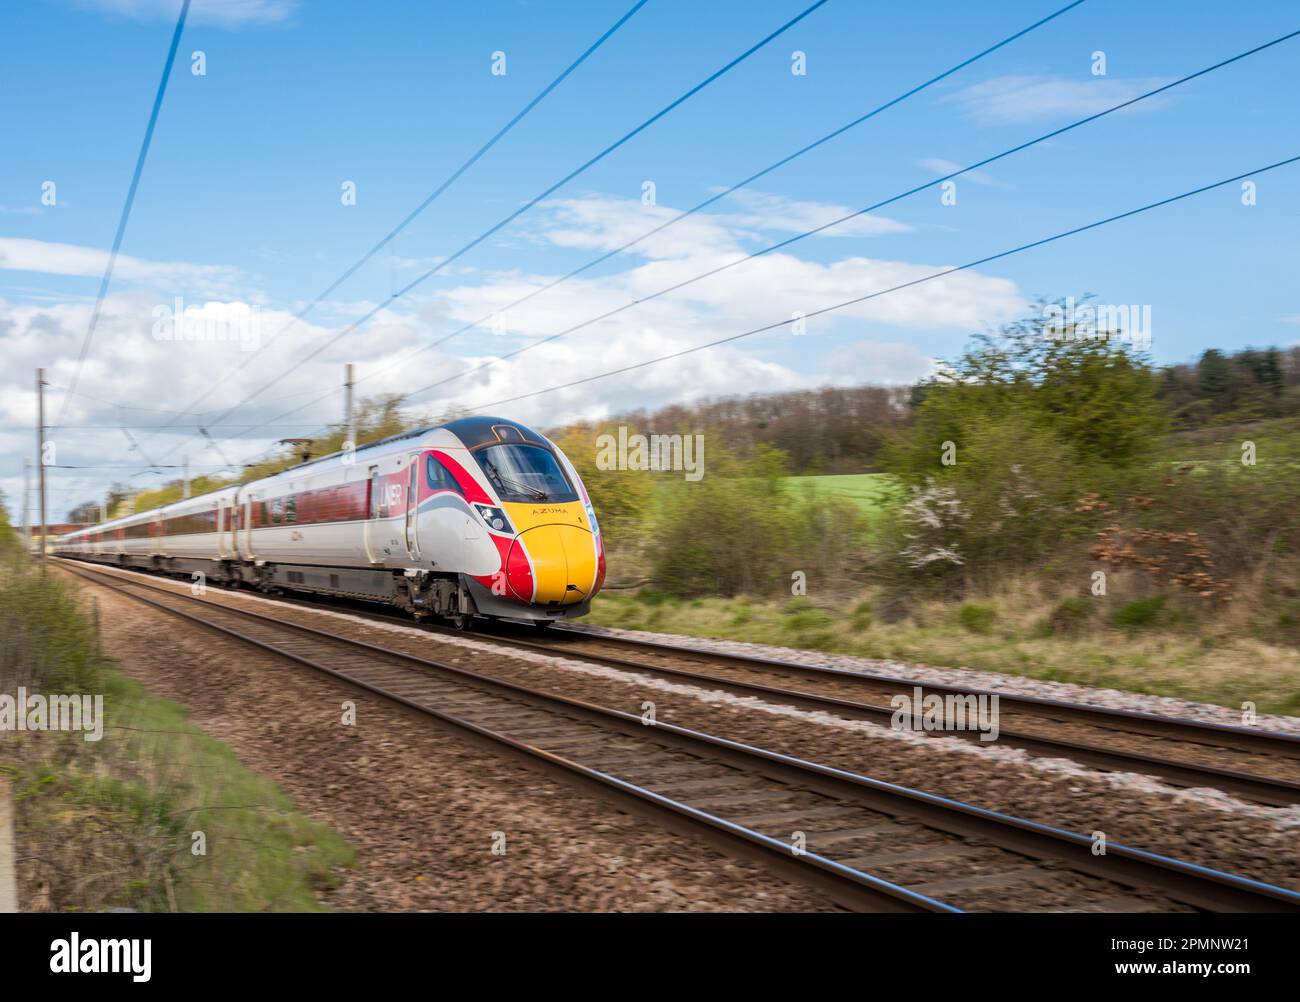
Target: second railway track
1253,763
868,843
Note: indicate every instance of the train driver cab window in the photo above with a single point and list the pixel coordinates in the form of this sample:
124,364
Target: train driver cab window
525,473
440,478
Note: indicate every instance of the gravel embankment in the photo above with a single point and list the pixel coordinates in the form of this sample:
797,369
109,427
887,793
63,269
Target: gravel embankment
421,803
1202,826
995,681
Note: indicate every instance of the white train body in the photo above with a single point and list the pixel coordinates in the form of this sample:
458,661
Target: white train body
477,517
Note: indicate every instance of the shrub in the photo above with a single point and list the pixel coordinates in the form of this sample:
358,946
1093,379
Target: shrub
1004,441
739,530
1140,613
976,618
1070,615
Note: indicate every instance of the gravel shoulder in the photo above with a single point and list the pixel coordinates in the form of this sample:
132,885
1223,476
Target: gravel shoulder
994,681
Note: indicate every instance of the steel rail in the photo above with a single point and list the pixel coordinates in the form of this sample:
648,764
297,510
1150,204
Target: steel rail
1182,728
1193,884
1269,790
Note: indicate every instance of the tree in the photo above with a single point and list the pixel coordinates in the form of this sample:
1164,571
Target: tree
84,513
1215,380
1008,437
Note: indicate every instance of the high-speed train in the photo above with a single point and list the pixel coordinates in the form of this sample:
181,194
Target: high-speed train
477,517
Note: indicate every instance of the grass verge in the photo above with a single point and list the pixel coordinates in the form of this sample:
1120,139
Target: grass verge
156,815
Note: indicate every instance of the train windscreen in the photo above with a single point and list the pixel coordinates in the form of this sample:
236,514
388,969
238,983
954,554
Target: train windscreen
525,473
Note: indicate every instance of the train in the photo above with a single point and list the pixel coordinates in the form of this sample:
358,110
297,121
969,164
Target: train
478,518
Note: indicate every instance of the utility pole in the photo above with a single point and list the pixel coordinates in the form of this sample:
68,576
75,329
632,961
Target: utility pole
349,432
40,453
27,506
185,462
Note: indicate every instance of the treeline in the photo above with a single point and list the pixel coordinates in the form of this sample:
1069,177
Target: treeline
823,431
845,430
1224,388
1030,456
1049,461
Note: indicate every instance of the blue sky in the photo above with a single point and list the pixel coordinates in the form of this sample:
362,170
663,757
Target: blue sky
240,198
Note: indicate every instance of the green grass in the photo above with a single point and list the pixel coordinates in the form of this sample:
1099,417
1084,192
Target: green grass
1276,439
111,823
262,855
117,818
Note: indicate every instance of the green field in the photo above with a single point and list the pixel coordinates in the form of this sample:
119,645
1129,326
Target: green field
871,492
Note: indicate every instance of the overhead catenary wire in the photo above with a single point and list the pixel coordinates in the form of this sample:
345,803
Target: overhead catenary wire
126,210
894,288
432,197
807,148
725,192
526,206
815,230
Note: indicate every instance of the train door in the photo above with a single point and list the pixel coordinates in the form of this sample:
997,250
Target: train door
246,524
412,508
374,511
232,534
221,528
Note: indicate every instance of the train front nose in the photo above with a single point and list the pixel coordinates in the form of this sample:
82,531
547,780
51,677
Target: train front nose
552,564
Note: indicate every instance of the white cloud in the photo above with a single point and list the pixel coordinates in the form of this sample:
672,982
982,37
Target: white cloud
19,254
775,213
127,365
225,13
753,294
880,362
1008,99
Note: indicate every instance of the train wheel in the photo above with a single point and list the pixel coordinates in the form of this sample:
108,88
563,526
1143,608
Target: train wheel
460,622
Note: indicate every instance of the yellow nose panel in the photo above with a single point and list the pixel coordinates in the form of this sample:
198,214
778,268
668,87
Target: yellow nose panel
564,562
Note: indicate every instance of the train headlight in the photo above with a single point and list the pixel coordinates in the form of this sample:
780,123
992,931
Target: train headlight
494,517
591,517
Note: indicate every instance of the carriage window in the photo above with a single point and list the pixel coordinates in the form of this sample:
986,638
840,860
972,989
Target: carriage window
291,508
277,510
440,478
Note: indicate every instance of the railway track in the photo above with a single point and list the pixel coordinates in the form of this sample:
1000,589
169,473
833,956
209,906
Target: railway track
869,844
1253,763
